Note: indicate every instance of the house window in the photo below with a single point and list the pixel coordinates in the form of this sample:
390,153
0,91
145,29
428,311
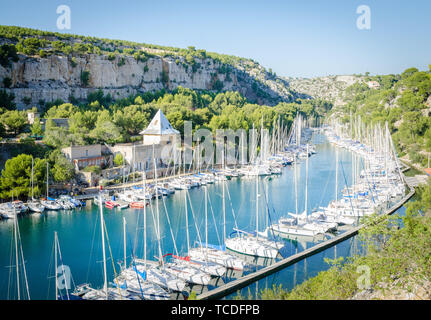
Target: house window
86,153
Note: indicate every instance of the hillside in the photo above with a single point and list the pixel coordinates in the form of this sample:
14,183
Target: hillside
331,88
404,101
38,67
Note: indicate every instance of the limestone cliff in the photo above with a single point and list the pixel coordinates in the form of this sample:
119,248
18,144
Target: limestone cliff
35,78
331,88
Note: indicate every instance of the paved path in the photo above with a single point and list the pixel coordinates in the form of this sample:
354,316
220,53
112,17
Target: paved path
417,180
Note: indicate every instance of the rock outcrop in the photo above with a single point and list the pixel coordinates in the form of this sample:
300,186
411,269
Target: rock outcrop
330,88
35,79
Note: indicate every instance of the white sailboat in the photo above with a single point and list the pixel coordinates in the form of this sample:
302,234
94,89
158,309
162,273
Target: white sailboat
197,256
135,282
33,205
107,293
177,269
19,259
297,224
48,203
246,243
217,254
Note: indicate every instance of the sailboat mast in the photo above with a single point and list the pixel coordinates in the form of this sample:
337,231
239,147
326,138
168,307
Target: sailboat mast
336,175
157,207
306,183
257,205
105,284
295,174
187,221
224,212
47,175
206,217
145,221
16,253
124,240
32,183
55,270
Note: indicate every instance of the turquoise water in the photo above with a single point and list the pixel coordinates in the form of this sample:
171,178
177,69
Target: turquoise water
79,231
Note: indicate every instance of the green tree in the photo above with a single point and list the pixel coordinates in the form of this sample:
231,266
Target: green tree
15,180
6,100
36,128
105,130
14,121
85,77
62,169
118,160
2,130
7,82
8,52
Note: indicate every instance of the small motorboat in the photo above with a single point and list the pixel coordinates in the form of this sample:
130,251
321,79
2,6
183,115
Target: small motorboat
138,204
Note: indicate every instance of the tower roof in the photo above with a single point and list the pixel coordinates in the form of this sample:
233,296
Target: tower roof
160,126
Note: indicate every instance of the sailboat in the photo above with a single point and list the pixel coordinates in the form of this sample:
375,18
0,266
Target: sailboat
49,203
213,253
179,270
19,255
325,215
198,258
251,244
33,205
106,293
135,282
154,271
297,224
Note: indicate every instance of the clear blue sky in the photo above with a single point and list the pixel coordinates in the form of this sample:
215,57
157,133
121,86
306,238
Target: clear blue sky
302,38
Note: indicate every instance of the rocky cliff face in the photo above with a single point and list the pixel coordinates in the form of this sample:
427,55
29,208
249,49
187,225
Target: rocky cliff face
329,88
59,77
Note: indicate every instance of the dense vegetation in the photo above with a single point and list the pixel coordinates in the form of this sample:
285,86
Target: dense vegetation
102,120
404,102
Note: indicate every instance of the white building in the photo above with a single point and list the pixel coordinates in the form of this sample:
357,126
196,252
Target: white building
159,131
160,142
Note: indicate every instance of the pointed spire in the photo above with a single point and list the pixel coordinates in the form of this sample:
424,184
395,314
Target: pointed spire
160,126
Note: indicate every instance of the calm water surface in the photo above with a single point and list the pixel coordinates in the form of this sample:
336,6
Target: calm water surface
79,231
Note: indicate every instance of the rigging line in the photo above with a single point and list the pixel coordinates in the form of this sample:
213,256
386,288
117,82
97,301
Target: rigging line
112,260
136,272
269,215
345,181
10,269
366,178
231,206
49,269
62,268
23,261
91,249
194,217
154,224
169,223
323,193
215,224
133,263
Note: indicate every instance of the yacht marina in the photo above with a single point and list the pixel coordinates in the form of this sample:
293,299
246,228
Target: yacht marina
205,228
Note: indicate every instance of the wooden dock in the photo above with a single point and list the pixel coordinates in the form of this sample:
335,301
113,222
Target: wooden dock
242,282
